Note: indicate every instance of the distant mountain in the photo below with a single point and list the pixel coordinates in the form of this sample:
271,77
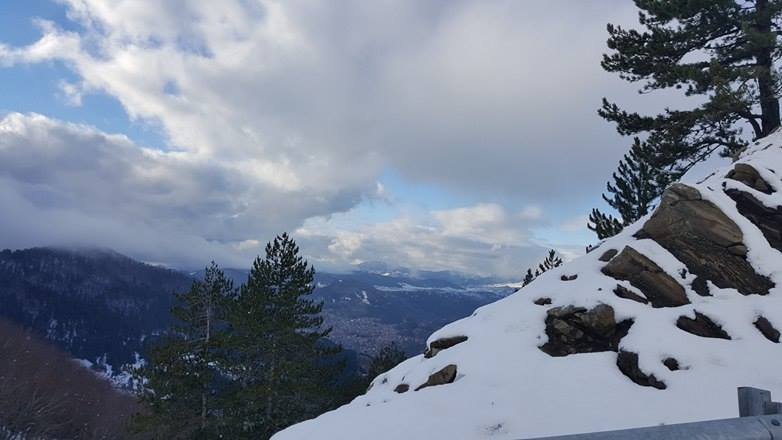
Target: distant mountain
94,303
100,305
370,308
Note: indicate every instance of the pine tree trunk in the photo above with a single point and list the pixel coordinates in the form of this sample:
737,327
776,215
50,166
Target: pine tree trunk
769,102
205,385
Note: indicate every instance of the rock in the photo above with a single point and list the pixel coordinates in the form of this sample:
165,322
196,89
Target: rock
672,364
702,237
607,255
700,287
442,377
573,330
626,293
749,176
442,344
568,277
627,362
543,301
659,288
767,329
702,325
402,388
768,220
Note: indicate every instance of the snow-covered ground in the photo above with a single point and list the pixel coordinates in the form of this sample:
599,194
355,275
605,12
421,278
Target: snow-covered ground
507,388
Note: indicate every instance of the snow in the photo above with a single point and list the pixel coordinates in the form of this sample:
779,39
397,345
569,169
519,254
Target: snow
506,388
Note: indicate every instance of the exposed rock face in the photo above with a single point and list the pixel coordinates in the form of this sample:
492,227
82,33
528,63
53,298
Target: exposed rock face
702,237
767,329
660,289
442,377
702,325
573,330
749,176
442,344
625,293
628,364
768,220
608,255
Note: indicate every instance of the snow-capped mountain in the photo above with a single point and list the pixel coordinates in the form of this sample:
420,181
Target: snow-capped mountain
659,324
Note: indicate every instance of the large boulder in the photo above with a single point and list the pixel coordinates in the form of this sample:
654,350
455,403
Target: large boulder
660,289
573,330
748,175
768,220
702,237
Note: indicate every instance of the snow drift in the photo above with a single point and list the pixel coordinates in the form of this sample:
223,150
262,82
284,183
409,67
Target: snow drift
659,324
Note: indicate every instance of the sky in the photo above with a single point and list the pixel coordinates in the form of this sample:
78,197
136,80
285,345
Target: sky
438,135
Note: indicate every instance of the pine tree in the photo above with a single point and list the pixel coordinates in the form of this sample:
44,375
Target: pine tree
387,358
723,51
551,261
184,389
637,184
283,364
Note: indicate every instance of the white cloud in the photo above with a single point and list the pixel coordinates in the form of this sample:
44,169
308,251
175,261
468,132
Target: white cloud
481,239
278,112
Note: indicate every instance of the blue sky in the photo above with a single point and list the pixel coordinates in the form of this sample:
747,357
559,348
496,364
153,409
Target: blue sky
459,135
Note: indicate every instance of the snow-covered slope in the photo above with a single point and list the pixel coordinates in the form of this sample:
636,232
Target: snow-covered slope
529,365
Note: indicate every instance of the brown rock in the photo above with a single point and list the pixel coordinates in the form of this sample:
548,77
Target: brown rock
402,388
608,255
671,363
627,362
543,301
767,329
442,377
749,176
702,237
442,344
644,274
573,330
768,220
700,287
625,293
702,325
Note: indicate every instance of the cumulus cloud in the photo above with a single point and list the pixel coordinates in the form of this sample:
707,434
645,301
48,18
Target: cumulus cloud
481,239
278,112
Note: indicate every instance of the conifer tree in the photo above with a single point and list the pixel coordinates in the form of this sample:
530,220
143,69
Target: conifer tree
637,184
387,358
551,261
283,365
184,389
722,51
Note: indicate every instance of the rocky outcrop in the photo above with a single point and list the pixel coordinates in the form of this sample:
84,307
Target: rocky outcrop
444,376
659,288
702,237
702,325
768,220
748,175
768,330
627,362
443,344
573,330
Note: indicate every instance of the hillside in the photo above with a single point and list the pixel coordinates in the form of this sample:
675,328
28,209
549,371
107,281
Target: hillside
659,324
100,305
93,303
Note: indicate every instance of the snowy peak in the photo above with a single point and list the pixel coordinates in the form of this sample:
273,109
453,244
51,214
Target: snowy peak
659,324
